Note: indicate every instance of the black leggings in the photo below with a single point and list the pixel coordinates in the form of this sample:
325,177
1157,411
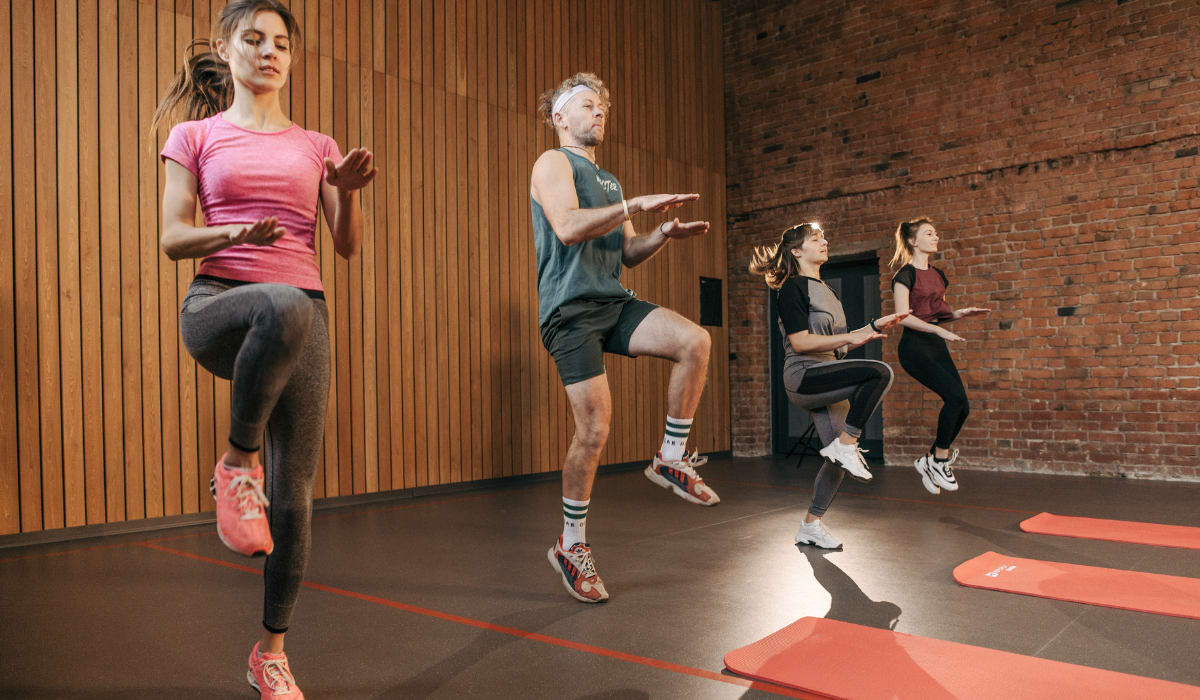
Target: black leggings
927,359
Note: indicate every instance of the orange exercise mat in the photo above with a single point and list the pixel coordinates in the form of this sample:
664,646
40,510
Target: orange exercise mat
842,660
1094,585
1114,530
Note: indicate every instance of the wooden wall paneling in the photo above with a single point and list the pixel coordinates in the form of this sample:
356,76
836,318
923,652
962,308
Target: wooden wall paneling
451,279
90,270
190,487
10,478
502,317
130,236
69,340
441,330
25,253
484,208
323,122
473,238
343,337
462,280
148,197
50,405
164,291
356,306
413,289
400,285
374,82
431,245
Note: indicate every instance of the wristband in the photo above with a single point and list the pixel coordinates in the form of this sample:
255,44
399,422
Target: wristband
873,326
625,205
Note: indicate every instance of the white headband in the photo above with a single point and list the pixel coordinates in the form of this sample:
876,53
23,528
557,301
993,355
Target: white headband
564,98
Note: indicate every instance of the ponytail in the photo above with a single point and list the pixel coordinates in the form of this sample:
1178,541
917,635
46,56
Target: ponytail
904,249
203,88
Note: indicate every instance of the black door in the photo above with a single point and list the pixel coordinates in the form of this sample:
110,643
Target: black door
856,281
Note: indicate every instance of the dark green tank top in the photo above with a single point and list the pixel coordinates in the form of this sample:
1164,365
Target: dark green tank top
588,270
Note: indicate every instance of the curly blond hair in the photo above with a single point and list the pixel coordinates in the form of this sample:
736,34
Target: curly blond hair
545,106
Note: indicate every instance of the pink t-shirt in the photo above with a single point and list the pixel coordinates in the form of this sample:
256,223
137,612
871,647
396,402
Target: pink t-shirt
243,176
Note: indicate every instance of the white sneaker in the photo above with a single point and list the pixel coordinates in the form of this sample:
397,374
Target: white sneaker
926,470
814,533
848,457
942,473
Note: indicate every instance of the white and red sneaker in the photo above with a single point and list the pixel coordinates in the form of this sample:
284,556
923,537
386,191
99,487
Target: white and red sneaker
578,571
681,477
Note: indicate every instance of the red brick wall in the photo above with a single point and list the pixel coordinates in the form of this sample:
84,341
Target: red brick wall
1054,145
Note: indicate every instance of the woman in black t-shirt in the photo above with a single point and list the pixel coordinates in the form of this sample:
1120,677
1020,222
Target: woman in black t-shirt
920,288
840,394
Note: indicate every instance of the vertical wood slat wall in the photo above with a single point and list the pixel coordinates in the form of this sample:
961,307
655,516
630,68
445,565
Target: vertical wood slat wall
439,374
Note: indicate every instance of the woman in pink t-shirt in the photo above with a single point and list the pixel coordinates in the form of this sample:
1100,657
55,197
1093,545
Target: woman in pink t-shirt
920,288
255,313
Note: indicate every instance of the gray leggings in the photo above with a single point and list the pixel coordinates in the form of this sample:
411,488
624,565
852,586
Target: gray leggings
272,342
828,410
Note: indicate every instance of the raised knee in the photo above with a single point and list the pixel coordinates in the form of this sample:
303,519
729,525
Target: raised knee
291,312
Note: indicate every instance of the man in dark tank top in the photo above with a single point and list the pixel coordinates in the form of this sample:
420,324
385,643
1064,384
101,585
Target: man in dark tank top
584,234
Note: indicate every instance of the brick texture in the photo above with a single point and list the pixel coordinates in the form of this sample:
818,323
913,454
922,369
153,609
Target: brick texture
1054,145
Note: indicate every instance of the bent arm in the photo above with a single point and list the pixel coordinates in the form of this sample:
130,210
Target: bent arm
181,238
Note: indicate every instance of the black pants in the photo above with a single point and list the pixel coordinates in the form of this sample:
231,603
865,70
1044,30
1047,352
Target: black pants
927,359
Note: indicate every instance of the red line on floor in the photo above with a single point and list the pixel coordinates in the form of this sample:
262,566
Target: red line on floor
511,631
922,501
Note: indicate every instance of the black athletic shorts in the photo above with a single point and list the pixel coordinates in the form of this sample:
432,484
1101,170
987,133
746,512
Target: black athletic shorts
579,332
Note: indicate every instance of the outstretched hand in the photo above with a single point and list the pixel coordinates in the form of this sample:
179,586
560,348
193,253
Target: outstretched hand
354,172
885,322
675,229
970,311
663,202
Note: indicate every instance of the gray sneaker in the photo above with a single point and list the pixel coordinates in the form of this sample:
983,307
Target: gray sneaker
814,533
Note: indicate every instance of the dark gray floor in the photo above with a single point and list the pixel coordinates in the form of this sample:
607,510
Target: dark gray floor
113,618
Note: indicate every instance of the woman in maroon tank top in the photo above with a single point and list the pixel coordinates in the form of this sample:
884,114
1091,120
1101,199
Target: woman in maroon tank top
920,287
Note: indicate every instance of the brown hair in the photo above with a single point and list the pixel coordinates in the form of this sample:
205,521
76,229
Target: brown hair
545,106
904,249
204,85
775,262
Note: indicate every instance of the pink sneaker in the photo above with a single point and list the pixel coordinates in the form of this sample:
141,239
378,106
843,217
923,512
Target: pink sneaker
270,676
241,518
